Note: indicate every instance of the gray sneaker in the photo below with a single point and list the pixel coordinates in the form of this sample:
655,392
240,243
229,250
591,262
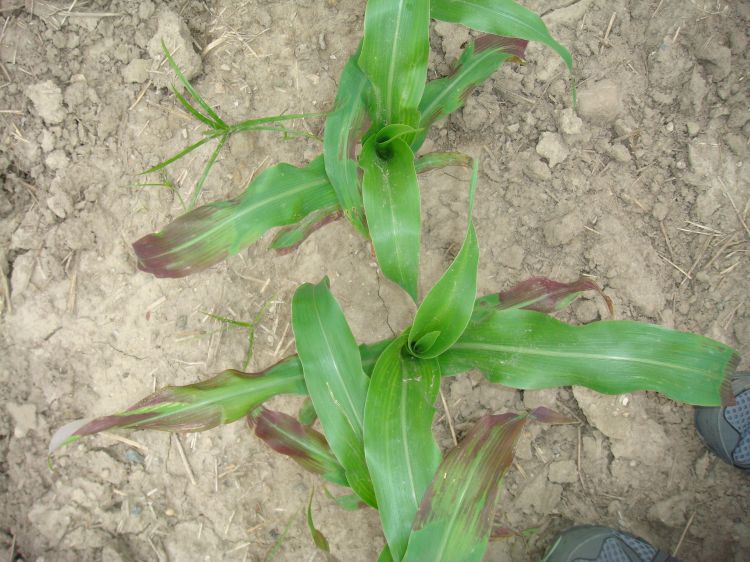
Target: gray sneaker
726,430
587,543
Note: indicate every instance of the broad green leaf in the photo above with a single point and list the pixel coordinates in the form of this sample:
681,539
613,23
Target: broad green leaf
394,56
391,196
479,60
499,17
290,237
196,407
306,446
447,308
281,195
401,452
342,131
530,350
455,518
335,380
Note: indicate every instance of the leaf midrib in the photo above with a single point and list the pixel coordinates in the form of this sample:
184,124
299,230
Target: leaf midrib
568,354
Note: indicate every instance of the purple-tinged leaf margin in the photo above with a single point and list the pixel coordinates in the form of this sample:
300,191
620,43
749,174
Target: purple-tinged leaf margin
306,446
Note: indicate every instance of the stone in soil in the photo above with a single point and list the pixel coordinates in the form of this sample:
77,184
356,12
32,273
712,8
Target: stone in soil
176,37
600,103
47,99
552,148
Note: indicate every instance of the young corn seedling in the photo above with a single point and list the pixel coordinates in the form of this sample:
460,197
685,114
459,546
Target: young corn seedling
383,111
375,403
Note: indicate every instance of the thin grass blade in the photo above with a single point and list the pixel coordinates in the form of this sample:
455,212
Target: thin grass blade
401,452
218,123
394,56
343,128
197,407
302,443
191,109
447,308
455,518
391,197
335,380
279,196
179,155
530,350
479,60
256,123
207,168
499,17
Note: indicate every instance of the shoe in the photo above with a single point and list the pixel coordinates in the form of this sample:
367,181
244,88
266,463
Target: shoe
726,430
587,543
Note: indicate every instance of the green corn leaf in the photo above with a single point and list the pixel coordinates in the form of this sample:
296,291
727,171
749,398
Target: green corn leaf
290,237
455,518
196,407
499,17
391,196
303,444
447,308
342,131
385,555
394,56
335,380
399,446
210,233
530,350
517,348
279,196
479,60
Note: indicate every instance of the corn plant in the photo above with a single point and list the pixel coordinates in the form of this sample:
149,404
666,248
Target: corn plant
375,402
382,113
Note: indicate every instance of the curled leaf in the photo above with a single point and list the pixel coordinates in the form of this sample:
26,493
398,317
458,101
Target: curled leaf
543,414
306,446
545,295
456,514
